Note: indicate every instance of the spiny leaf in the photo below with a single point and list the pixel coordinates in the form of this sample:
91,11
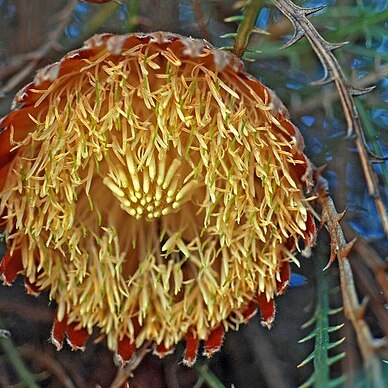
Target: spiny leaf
337,357
307,338
335,328
336,343
309,358
321,333
335,311
339,381
310,322
308,383
208,377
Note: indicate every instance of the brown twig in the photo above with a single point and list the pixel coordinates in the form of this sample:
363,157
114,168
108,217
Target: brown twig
123,374
52,41
367,286
377,264
333,73
353,309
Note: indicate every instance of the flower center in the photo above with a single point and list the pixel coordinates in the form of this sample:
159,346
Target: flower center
158,188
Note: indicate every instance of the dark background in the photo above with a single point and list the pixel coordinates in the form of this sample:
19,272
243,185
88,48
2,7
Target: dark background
34,33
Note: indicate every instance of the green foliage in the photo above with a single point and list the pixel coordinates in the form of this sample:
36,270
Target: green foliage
321,331
13,357
361,26
206,376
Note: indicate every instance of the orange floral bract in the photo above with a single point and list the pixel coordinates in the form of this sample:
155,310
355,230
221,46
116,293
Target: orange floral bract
155,190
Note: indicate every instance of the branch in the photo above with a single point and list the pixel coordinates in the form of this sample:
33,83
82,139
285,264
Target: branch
333,73
354,311
376,263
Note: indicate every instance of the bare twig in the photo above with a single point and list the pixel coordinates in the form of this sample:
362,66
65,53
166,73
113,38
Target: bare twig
367,286
36,56
333,73
377,264
123,374
354,310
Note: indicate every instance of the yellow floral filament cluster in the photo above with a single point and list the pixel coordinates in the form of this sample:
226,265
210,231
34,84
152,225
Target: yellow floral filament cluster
153,188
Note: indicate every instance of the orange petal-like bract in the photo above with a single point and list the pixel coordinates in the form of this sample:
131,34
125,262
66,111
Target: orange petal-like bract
155,190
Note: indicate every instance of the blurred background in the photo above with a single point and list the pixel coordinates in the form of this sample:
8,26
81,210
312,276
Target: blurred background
38,32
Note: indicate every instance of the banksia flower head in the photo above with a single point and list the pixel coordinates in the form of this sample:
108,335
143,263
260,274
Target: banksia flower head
155,190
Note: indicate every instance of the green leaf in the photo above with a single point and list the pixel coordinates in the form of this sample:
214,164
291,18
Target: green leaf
320,332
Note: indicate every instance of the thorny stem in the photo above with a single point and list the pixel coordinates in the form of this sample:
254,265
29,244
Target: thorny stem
333,73
375,263
354,311
246,27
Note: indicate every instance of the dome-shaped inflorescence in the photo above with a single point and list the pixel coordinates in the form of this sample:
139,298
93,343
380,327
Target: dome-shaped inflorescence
155,190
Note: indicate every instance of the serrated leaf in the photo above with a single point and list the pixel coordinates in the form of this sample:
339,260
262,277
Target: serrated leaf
308,359
336,343
307,338
332,329
309,382
310,322
336,311
339,381
337,357
321,332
